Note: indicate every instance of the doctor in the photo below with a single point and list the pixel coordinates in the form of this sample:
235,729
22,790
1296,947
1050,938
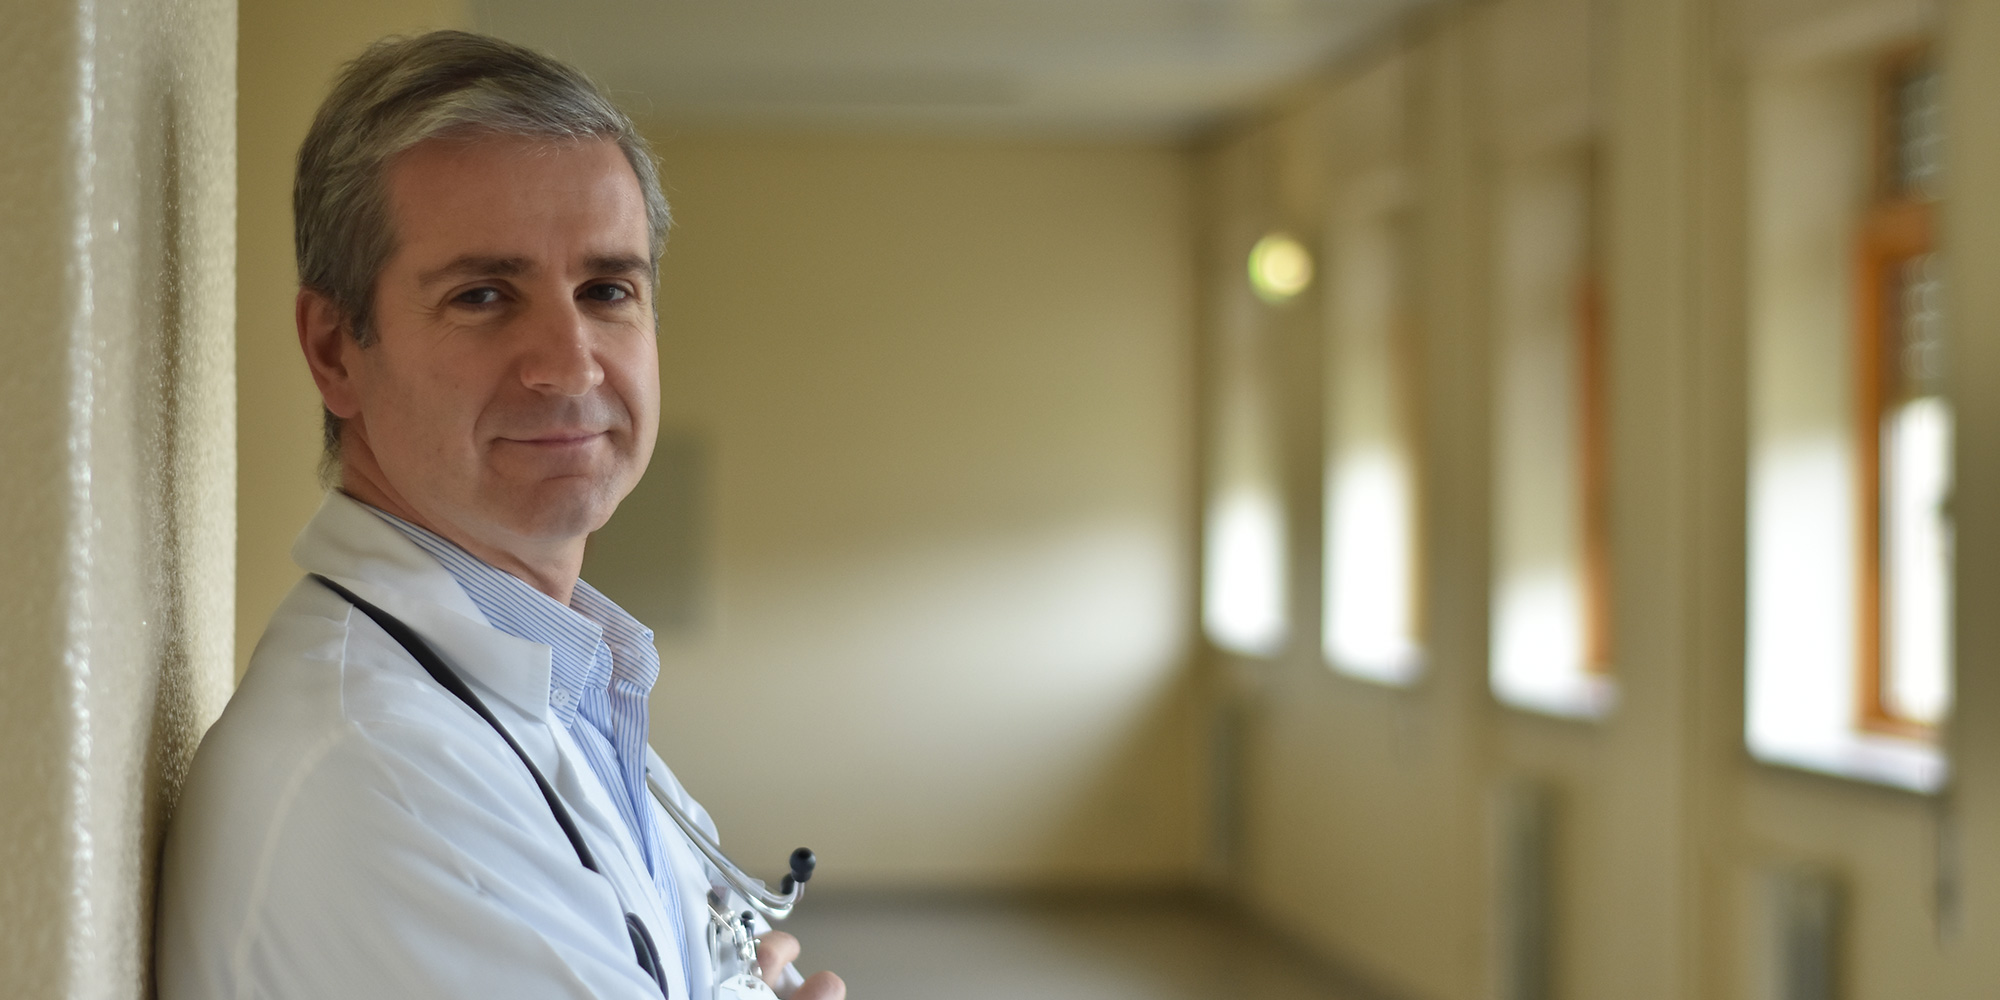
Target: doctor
478,233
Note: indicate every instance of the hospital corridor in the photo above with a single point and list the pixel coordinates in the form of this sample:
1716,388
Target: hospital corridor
1283,499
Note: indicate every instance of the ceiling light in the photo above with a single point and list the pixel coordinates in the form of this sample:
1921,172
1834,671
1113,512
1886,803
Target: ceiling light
1280,268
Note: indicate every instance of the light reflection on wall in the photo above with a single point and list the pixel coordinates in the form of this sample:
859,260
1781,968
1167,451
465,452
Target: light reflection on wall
1801,643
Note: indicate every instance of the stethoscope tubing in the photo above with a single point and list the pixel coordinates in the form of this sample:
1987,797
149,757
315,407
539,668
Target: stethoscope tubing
773,905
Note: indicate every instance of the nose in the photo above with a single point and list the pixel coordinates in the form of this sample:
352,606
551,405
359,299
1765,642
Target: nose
560,356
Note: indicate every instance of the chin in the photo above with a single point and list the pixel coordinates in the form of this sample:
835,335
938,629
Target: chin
560,514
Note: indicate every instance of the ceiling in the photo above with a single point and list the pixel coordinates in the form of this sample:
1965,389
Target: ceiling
1083,68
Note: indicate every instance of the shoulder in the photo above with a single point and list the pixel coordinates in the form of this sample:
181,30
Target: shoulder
339,771
325,680
332,704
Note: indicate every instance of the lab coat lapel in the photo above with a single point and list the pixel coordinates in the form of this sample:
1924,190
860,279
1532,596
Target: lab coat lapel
625,861
587,798
351,545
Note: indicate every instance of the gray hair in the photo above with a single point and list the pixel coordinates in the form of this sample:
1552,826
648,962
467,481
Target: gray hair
400,92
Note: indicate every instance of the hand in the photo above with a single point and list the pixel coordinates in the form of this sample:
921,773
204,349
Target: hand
777,949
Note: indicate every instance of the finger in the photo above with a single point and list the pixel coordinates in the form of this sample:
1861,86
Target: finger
775,950
821,986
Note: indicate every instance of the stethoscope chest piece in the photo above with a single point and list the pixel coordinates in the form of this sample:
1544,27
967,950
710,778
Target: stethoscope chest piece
743,987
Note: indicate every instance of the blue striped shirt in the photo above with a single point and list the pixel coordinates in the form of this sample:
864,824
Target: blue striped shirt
602,666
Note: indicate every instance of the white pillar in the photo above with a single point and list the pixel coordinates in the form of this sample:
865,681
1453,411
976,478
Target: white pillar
1676,422
117,520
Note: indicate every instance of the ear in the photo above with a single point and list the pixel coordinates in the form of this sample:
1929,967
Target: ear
330,352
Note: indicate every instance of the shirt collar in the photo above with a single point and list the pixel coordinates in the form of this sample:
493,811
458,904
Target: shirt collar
574,634
637,659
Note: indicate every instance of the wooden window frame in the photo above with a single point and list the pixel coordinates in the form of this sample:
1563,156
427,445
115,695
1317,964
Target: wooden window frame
1593,464
1593,362
1899,226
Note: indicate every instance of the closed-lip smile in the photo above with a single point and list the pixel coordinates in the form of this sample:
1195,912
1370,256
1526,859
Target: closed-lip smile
558,438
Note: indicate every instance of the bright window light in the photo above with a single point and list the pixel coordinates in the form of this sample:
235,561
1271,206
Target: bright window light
1915,529
1371,580
1369,621
1916,560
1244,593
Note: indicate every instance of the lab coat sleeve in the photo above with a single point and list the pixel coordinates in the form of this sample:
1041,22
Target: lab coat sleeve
402,868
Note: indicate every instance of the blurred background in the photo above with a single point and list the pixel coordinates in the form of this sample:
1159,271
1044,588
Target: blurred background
1299,498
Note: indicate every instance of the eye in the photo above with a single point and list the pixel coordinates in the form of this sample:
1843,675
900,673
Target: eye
482,296
606,292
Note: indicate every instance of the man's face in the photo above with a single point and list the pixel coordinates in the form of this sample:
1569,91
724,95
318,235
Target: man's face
511,396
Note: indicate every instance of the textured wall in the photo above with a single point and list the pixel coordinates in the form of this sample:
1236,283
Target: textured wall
116,523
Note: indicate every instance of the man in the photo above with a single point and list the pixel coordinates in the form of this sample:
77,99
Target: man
478,233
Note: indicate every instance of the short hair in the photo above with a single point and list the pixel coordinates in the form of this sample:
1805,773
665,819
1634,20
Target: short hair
400,92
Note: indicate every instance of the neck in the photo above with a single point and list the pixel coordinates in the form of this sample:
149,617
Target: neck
551,569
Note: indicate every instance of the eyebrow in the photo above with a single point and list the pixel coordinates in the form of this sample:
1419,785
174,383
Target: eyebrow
491,266
618,263
475,266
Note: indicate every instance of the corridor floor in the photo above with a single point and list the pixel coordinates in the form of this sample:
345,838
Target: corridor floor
920,948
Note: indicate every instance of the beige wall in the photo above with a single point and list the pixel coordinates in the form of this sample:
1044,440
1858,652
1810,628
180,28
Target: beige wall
940,394
1972,241
288,53
117,188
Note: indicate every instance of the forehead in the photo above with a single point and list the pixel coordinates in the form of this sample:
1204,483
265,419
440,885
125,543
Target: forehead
515,196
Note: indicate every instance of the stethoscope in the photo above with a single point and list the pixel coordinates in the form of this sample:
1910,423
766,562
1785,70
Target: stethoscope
773,905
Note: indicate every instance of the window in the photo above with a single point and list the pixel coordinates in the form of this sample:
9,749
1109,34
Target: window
1245,597
1372,581
1850,536
1551,648
1903,437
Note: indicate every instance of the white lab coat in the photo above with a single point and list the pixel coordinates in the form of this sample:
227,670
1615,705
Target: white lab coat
352,830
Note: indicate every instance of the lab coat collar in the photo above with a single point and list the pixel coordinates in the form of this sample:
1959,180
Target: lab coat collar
349,544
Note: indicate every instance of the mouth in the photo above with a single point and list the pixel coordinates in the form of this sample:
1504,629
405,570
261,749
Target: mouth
558,439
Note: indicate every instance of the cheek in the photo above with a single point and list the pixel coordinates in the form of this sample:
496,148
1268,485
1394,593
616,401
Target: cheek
430,410
636,380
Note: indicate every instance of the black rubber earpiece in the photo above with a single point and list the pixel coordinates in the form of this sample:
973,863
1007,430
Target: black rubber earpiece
802,869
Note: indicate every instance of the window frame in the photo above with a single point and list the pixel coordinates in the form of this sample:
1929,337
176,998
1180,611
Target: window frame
1594,444
1898,226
